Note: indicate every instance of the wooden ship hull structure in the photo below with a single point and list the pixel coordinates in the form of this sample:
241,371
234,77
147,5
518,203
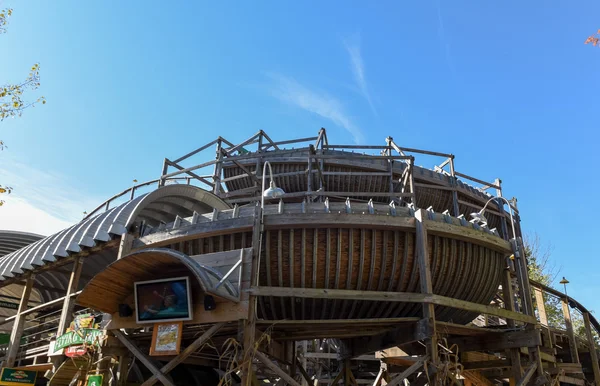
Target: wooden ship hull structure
366,269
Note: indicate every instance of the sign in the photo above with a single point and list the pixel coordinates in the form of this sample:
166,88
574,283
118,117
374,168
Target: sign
12,306
11,377
166,338
82,331
77,338
95,380
75,351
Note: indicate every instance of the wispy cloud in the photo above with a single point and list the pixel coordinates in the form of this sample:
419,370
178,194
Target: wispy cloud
358,70
442,36
317,102
42,202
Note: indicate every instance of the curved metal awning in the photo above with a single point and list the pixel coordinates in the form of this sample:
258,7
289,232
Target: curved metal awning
115,284
11,241
151,210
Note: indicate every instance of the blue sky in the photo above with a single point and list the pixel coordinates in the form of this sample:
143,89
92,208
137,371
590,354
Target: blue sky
509,87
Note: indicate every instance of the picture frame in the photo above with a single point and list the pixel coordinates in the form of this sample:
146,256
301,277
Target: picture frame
163,300
166,338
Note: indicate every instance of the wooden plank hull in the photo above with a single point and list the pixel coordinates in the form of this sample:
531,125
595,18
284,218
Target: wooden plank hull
374,260
360,257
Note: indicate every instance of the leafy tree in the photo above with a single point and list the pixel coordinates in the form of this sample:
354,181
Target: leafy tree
12,102
594,39
541,270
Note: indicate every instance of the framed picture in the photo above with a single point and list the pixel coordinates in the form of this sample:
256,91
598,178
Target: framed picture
164,300
166,338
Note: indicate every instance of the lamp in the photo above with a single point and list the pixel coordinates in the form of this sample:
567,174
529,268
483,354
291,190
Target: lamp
125,310
480,218
209,303
273,191
564,282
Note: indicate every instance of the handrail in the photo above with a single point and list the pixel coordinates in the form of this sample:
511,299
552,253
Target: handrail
570,301
132,189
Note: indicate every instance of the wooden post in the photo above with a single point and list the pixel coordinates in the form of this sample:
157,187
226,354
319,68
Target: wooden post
500,204
290,353
411,169
123,370
67,309
305,361
68,304
249,325
422,254
347,373
570,332
161,181
515,356
541,306
17,330
454,187
218,168
125,245
592,344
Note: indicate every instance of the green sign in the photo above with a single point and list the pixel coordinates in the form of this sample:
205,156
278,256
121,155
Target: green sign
95,380
82,336
12,306
12,377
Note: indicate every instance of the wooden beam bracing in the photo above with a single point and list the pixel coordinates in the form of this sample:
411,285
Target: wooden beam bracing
189,350
408,297
142,358
276,369
17,330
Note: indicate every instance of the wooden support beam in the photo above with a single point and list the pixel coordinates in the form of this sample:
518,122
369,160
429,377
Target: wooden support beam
422,256
571,380
406,373
17,330
142,358
125,245
189,350
506,340
379,376
302,371
485,365
509,300
69,302
249,324
541,306
337,378
122,370
592,344
401,335
528,374
276,369
66,315
380,296
570,331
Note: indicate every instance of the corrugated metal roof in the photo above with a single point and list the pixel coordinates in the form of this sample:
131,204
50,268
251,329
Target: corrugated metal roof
11,241
155,208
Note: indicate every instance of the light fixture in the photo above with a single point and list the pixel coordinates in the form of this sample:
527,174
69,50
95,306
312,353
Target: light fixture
564,282
209,303
273,191
479,218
